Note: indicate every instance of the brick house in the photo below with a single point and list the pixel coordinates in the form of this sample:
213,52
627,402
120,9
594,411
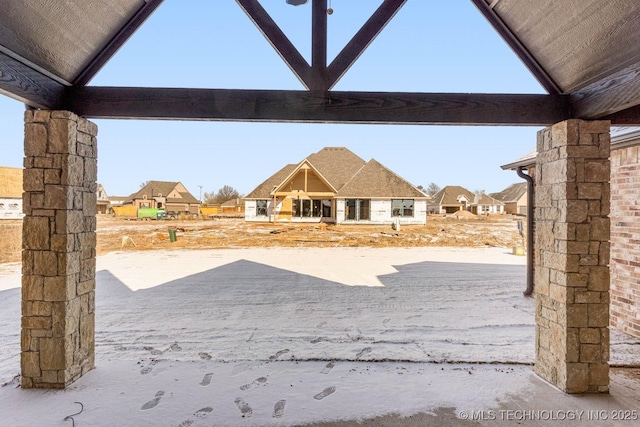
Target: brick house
335,185
171,196
514,198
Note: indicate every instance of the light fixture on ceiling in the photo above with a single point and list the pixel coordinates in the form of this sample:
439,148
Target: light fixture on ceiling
296,2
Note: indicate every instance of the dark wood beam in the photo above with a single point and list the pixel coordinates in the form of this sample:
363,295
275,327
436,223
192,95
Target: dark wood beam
278,40
615,93
318,107
116,43
319,45
363,38
29,85
512,40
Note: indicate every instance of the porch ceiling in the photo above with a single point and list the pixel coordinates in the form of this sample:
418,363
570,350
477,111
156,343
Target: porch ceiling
584,52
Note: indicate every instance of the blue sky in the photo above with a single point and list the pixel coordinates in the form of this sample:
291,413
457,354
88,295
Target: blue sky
429,46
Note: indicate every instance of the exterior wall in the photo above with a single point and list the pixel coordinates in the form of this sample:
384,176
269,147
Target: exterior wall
59,241
521,205
572,256
11,208
625,240
381,213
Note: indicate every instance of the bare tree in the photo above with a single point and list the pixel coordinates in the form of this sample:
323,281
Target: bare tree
432,189
210,198
224,194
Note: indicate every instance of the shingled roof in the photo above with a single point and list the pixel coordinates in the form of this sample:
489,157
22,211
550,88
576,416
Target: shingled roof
512,193
164,188
349,174
11,182
375,180
449,195
336,164
263,191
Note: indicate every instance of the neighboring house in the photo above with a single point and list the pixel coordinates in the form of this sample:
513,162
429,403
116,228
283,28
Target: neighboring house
452,199
116,201
232,207
514,198
484,204
102,200
171,196
335,185
11,193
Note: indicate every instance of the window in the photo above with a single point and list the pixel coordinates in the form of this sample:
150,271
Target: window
358,209
13,206
307,208
261,207
1,205
326,208
317,208
402,207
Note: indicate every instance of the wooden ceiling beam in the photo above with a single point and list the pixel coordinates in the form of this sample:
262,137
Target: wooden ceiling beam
319,45
361,40
318,107
28,85
278,40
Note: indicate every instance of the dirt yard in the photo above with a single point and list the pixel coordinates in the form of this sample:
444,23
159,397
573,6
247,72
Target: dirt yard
117,234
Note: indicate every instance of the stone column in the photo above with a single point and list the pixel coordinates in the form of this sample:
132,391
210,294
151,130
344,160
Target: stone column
572,256
59,241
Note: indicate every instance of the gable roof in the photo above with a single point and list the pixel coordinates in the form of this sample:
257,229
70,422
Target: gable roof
164,188
512,193
336,164
347,173
305,164
485,199
449,195
11,182
375,180
263,191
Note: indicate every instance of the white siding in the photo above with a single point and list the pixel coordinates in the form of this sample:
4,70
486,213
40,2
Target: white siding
380,211
339,214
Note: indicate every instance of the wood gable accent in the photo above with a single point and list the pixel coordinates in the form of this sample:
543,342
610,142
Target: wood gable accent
305,182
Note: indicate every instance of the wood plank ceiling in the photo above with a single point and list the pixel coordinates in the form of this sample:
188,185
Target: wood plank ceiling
583,52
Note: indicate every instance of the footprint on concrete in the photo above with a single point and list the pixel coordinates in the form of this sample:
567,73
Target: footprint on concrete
255,382
278,354
386,321
153,402
152,350
206,380
201,413
328,368
244,407
148,368
278,408
324,393
363,352
317,340
204,356
175,347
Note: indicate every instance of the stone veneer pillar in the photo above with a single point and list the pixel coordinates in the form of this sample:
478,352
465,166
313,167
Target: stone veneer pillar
572,256
59,256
